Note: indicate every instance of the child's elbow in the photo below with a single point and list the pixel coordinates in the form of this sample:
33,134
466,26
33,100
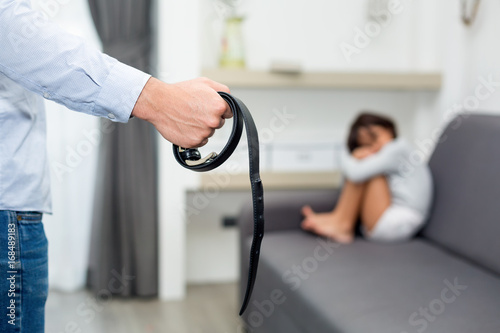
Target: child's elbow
354,177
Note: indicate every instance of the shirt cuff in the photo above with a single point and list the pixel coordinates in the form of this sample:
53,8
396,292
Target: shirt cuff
120,92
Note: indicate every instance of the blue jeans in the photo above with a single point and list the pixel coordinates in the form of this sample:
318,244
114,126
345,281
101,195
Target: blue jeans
23,272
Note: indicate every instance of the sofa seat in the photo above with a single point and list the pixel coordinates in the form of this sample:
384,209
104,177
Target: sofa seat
370,287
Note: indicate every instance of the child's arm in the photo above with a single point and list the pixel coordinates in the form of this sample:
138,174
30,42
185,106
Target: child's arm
386,160
362,152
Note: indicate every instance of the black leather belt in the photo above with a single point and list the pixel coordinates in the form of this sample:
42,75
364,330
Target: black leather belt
191,159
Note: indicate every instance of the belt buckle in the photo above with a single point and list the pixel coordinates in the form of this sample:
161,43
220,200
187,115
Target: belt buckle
192,156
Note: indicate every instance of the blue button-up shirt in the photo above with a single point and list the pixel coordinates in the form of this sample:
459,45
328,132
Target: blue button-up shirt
38,59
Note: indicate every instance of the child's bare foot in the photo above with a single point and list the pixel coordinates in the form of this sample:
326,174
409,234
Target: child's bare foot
327,225
312,219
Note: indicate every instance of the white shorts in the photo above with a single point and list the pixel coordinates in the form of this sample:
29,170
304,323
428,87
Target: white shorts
397,223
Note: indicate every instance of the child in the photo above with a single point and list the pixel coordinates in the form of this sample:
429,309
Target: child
391,200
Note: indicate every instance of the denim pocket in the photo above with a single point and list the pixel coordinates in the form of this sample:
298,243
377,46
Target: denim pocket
31,232
29,217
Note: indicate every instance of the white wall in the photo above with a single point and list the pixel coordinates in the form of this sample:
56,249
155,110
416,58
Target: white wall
178,60
312,31
469,53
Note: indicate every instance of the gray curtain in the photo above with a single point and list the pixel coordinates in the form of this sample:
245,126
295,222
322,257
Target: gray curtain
124,252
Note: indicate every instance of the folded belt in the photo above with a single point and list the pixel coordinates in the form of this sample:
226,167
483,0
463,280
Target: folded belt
192,160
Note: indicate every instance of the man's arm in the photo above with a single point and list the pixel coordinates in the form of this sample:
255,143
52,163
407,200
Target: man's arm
42,58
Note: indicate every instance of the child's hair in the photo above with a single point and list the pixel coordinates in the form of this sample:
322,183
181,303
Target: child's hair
365,120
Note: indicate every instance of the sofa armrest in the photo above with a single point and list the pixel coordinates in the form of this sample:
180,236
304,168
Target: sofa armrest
282,209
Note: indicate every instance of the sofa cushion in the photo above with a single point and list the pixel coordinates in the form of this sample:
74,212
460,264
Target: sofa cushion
465,165
371,287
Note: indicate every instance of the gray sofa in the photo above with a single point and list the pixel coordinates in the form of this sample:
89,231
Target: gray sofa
445,280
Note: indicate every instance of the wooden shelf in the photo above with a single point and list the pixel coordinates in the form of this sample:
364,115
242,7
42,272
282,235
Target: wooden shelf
276,181
235,78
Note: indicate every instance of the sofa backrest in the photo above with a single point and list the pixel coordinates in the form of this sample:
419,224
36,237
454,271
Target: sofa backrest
465,217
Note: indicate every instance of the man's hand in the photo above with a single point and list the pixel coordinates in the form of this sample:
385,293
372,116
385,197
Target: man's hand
185,113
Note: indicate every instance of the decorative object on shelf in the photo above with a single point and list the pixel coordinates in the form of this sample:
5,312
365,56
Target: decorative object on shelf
377,9
469,11
233,52
286,67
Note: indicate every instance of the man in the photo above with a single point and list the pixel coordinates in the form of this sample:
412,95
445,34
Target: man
37,60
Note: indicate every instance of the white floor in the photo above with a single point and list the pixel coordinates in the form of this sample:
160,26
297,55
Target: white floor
206,309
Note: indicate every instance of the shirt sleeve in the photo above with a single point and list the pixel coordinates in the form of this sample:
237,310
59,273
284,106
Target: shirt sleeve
59,66
385,161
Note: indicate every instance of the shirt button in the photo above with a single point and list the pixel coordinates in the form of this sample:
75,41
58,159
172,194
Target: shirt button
111,116
46,95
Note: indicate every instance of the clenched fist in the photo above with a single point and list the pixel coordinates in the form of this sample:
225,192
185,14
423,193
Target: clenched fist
185,113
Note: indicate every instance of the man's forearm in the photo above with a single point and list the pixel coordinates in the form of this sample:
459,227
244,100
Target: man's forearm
61,67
